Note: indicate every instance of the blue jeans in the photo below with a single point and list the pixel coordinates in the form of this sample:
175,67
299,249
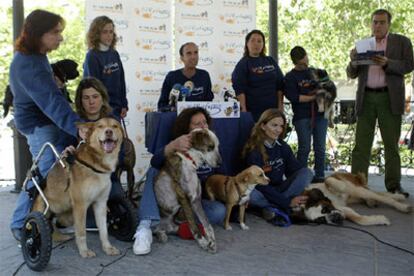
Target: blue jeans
148,208
35,140
291,187
305,133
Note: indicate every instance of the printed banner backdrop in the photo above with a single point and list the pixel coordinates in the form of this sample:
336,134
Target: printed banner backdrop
147,48
219,29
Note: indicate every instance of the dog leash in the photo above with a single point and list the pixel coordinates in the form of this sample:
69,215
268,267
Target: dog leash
123,124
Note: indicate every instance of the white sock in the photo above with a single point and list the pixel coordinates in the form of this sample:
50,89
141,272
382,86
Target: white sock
145,223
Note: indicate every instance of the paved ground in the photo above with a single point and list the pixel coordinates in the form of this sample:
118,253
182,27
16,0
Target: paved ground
263,250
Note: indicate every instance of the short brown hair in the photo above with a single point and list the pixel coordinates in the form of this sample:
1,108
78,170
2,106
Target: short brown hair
297,53
36,24
93,36
91,82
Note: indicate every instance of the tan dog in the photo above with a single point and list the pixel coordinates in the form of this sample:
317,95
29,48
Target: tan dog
84,182
329,201
235,191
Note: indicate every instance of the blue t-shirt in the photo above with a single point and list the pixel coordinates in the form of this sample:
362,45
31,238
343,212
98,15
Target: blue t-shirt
259,78
107,67
281,163
37,99
296,84
201,91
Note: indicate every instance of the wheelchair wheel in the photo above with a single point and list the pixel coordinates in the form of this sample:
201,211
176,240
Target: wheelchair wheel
122,219
36,241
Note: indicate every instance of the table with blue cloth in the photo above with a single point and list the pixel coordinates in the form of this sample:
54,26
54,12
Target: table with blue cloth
231,132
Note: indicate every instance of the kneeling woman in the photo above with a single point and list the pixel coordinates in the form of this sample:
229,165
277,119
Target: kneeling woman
266,149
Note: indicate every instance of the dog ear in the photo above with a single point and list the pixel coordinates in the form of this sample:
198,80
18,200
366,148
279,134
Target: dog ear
84,129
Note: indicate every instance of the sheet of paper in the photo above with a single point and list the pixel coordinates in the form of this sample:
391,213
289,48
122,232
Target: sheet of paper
364,45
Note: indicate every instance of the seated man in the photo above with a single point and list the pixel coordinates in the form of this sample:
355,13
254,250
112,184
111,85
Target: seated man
197,80
188,120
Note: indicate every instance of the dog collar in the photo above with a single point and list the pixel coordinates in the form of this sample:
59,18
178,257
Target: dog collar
186,155
89,166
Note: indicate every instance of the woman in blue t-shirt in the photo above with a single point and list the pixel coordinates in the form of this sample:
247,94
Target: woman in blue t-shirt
257,79
266,149
103,62
197,80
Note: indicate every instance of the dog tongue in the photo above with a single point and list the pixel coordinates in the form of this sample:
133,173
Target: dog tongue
108,145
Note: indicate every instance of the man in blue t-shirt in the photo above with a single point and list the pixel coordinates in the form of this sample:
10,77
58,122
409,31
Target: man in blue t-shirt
197,80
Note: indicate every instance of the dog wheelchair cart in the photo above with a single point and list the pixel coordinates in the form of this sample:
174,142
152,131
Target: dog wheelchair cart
36,240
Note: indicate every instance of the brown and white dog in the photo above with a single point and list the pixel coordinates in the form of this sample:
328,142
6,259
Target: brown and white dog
328,201
235,191
85,181
177,186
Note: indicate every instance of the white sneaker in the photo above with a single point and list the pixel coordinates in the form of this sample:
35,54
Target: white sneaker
143,240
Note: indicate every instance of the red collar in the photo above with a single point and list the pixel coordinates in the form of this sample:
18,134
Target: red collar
190,158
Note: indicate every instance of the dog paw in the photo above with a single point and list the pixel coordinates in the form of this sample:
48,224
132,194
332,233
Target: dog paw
382,220
161,237
406,208
212,248
87,254
244,226
111,251
228,227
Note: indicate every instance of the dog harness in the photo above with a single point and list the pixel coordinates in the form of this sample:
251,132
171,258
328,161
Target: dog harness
243,197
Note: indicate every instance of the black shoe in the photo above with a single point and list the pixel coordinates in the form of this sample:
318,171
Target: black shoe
318,180
17,234
401,191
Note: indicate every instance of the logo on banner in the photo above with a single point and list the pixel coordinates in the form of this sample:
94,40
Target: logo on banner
203,46
149,92
205,61
196,30
234,18
121,24
124,57
196,2
150,75
154,60
116,8
153,29
232,47
152,13
236,3
153,44
230,63
195,16
225,77
147,106
241,33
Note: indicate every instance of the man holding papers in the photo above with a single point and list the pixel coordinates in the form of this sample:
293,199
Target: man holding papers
380,97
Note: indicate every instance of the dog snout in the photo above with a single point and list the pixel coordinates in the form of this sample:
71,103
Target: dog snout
108,132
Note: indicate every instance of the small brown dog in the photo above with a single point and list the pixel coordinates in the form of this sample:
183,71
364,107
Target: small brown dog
235,191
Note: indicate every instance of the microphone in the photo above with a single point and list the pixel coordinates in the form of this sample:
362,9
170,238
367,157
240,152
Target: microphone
228,95
174,95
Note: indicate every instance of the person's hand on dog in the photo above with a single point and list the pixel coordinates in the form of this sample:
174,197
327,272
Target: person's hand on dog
298,200
124,112
380,60
182,144
67,151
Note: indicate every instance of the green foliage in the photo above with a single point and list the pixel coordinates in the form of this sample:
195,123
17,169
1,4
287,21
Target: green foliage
328,29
